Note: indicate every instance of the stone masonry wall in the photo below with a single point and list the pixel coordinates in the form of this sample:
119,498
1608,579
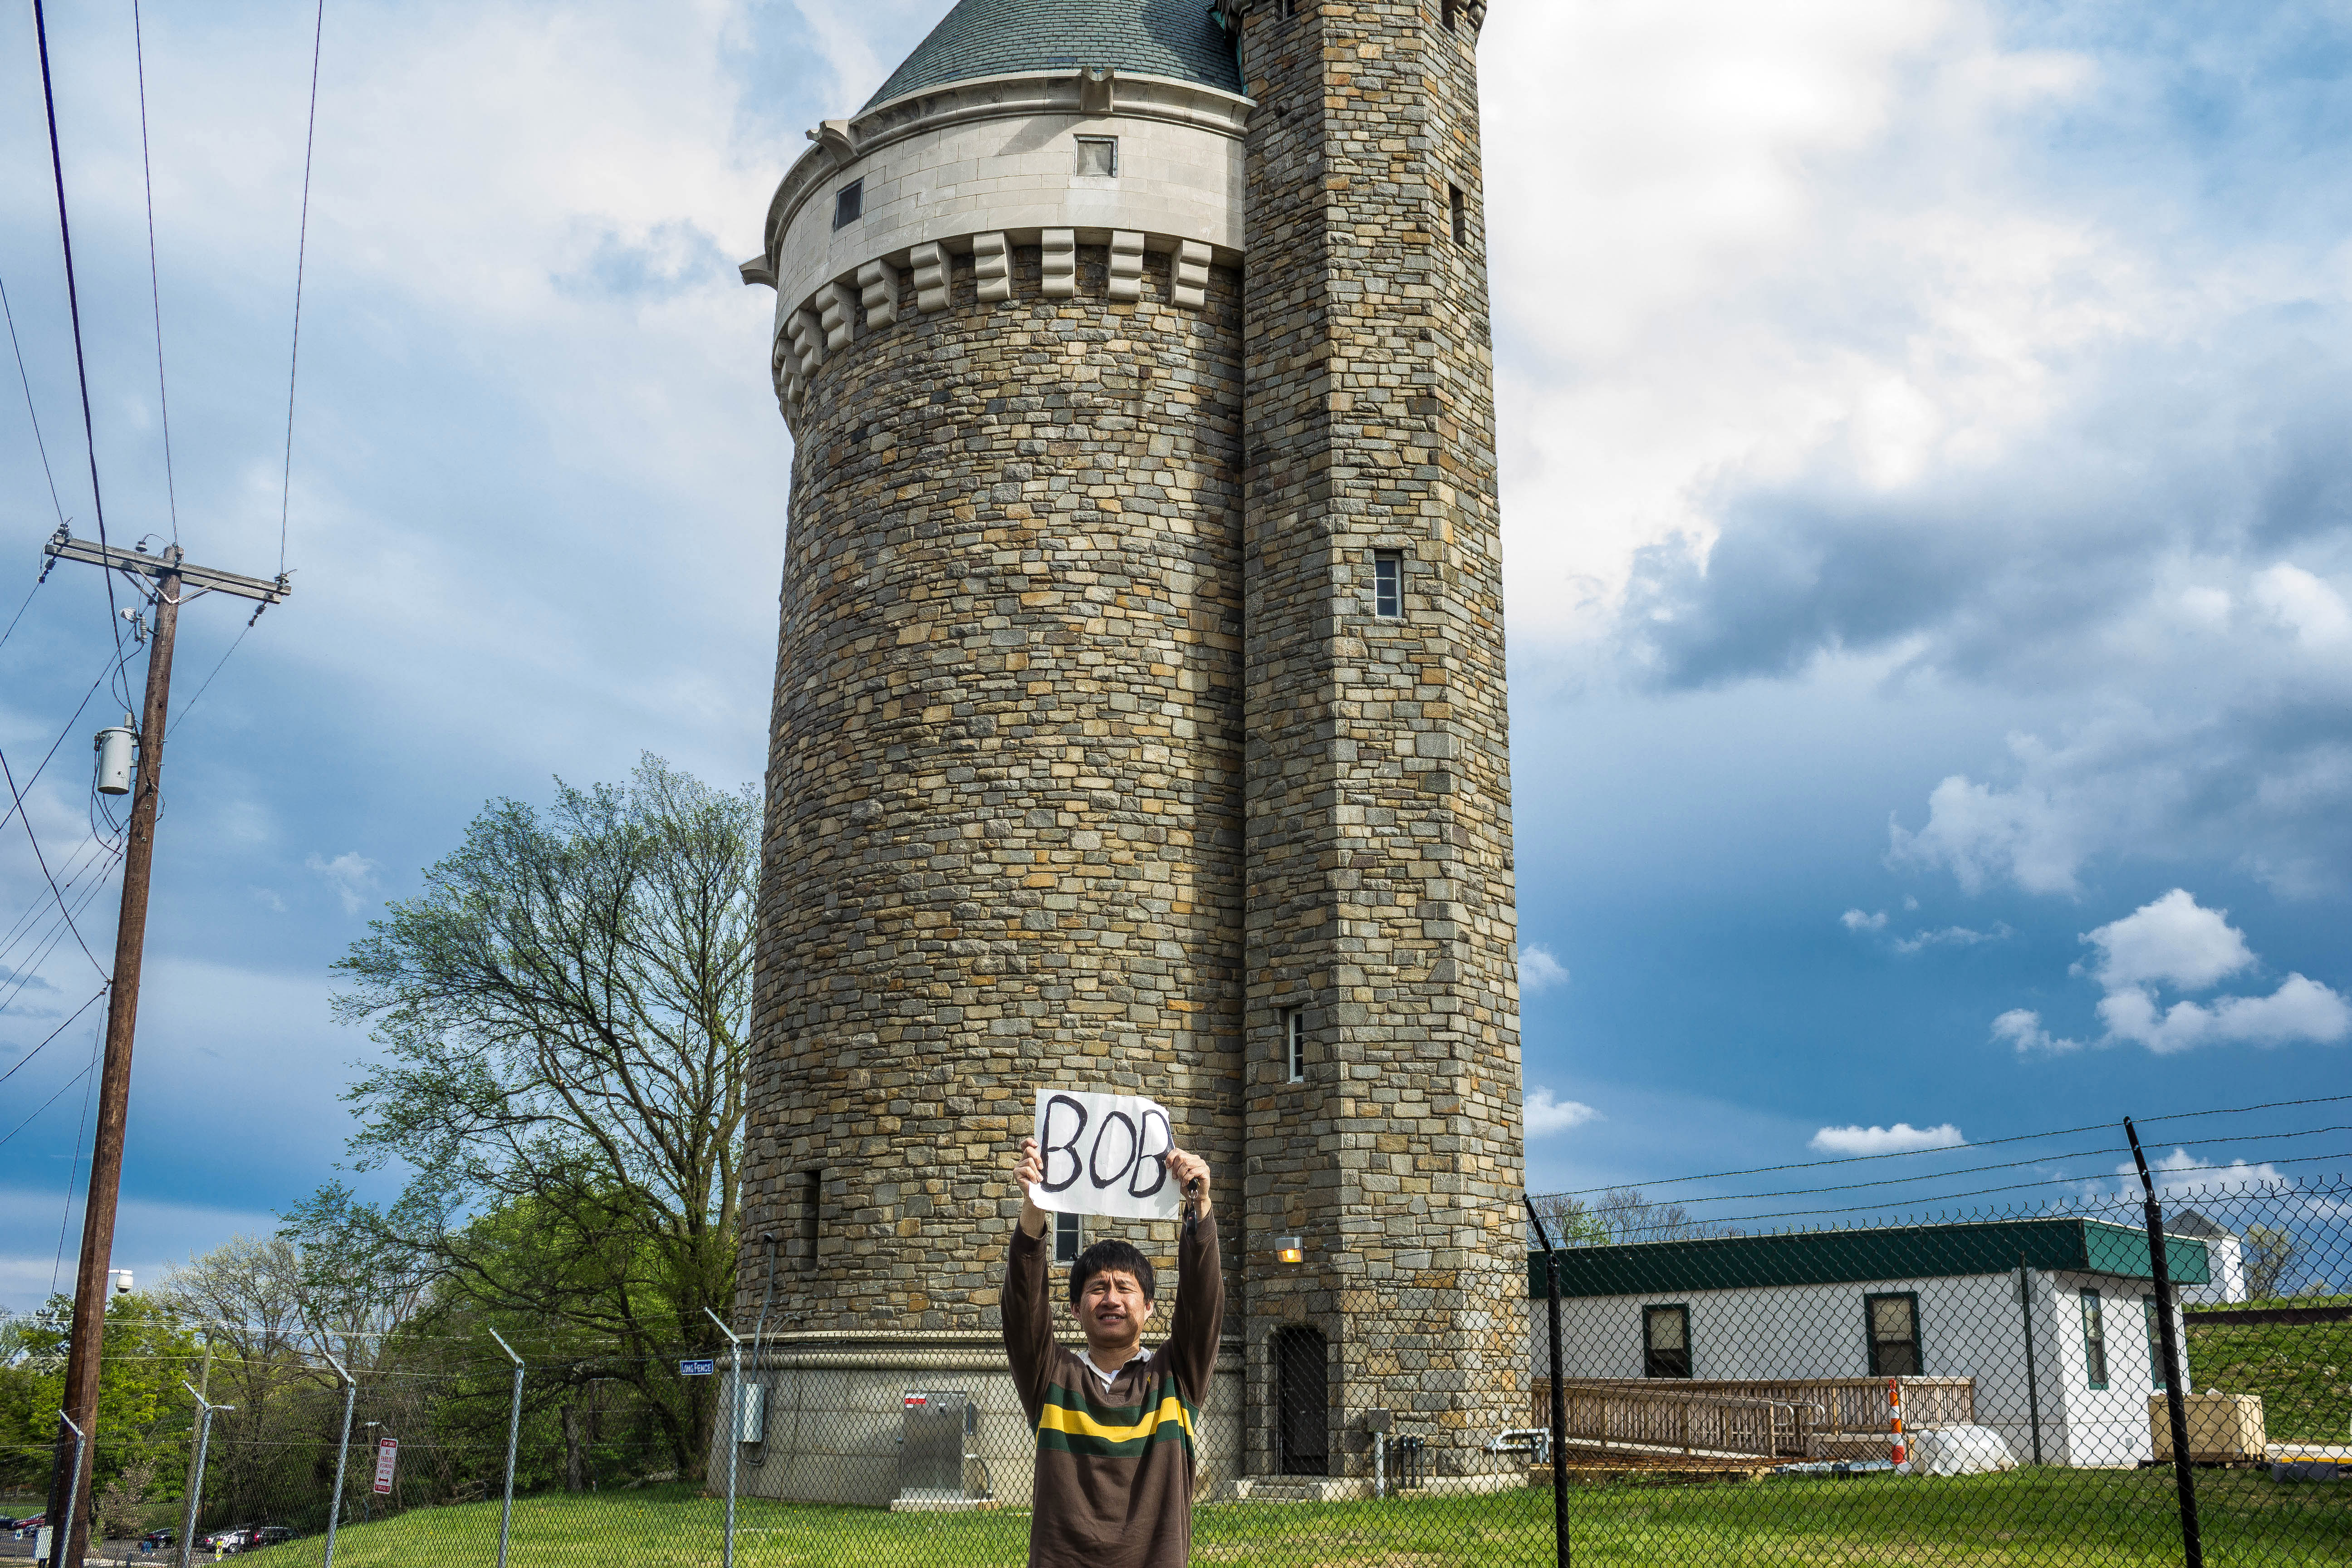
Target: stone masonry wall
1003,841
1380,897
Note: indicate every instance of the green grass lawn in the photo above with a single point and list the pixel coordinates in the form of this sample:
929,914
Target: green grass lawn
2073,1518
2303,1370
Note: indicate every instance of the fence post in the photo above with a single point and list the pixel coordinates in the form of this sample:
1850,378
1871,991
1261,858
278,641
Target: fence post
514,1435
1559,1401
2033,1376
734,1429
196,1470
2184,1478
335,1508
58,1536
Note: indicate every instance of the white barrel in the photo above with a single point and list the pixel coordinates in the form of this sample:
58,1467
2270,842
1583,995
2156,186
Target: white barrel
115,749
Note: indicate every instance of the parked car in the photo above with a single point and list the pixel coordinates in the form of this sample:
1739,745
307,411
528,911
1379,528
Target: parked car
26,1526
271,1534
233,1539
155,1539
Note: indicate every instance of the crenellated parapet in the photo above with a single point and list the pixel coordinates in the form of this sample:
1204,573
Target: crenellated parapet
1142,165
870,298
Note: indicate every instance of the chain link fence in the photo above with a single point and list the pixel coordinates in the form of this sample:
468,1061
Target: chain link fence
1992,1386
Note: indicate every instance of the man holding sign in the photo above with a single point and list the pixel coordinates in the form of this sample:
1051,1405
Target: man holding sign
1116,1423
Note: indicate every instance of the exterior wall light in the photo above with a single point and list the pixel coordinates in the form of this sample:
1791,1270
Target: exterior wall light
1289,1250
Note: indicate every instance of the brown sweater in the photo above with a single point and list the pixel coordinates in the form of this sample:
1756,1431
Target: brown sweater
1115,1467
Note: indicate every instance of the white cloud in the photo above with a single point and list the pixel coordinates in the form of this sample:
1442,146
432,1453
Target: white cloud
1855,919
2172,940
1900,1139
2182,1175
351,874
1540,971
2175,942
1544,1115
1952,936
2299,1011
2314,611
2022,1027
1984,836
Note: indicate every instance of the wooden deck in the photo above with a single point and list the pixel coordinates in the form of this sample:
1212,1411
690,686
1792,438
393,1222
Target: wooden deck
1808,1418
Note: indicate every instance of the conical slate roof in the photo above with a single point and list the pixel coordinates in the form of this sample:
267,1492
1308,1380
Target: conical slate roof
1176,38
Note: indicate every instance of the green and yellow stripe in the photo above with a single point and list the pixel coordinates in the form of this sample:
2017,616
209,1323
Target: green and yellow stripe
1074,1429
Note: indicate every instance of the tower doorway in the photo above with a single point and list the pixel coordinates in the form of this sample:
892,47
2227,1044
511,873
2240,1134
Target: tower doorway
1302,1402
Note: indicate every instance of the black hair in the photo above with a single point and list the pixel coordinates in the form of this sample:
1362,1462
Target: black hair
1108,1255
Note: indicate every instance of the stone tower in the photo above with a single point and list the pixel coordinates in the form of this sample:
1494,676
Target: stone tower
1139,716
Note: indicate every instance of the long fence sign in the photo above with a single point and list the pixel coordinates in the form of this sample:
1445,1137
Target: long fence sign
387,1454
1104,1154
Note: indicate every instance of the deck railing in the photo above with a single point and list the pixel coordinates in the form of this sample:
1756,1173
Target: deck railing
1765,1418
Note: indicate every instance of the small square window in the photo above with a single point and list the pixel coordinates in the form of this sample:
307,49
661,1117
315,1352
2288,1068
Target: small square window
1293,1043
1069,1238
1665,1341
850,203
1894,1334
1388,583
1098,155
2095,1341
1459,210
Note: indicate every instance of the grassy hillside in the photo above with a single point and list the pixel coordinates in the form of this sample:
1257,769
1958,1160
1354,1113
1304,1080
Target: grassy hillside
2048,1516
2303,1370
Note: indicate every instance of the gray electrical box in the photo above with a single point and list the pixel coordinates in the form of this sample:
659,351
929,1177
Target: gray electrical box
752,1413
937,1467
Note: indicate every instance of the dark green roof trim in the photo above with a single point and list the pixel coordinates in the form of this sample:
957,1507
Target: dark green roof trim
1849,1256
1178,38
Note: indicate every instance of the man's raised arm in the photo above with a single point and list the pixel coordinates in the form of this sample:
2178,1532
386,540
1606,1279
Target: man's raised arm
1026,1304
1199,1312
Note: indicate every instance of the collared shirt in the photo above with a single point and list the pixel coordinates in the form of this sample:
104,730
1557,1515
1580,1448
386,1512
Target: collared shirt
1138,1359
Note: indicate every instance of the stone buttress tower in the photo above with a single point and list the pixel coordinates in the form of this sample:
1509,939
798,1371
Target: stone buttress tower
1140,711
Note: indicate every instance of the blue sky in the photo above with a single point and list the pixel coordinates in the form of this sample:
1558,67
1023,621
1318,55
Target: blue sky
1928,533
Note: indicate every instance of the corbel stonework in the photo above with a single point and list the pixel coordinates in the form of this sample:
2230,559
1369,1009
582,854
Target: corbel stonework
1126,266
837,314
1191,273
807,336
833,136
878,286
991,264
930,264
758,270
1060,255
1097,88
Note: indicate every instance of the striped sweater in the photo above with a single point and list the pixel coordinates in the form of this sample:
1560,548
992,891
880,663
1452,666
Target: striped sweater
1115,1467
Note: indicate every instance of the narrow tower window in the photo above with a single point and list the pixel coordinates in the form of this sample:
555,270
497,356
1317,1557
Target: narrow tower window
1388,583
1293,1043
1445,14
1098,155
850,203
1289,8
1461,214
1069,1239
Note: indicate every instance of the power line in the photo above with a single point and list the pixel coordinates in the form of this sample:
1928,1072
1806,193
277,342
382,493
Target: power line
301,253
73,308
52,1101
65,1219
61,736
53,1034
181,723
1976,1143
38,444
30,837
154,274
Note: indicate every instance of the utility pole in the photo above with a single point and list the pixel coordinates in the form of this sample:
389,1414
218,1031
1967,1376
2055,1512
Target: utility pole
175,581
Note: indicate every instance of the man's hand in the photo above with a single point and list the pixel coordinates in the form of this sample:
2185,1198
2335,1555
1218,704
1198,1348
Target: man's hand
1029,1172
1186,1169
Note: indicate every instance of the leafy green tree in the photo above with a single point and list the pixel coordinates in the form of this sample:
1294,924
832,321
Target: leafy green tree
563,1014
144,1413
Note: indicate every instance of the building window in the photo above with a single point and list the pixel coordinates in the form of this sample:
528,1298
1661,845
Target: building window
1460,210
850,203
2095,1341
1293,1043
1894,1334
1665,1341
1388,583
2154,1343
1445,14
1098,155
1069,1240
1287,9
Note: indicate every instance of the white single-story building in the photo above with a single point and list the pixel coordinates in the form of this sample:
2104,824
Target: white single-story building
2051,1321
2226,1258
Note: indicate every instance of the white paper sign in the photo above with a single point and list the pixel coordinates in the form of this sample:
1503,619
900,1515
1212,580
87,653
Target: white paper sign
1104,1154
